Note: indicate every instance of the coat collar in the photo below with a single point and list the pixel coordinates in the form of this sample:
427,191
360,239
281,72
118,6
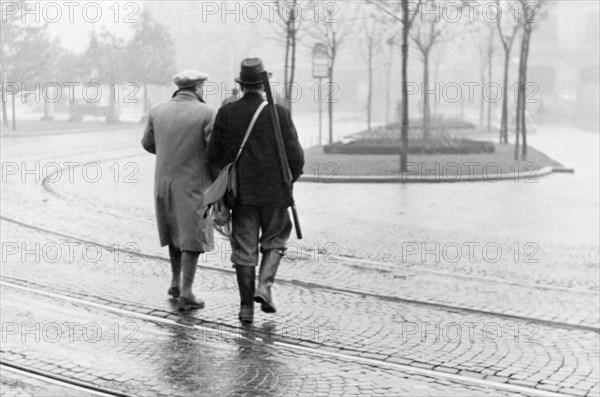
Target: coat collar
187,95
252,96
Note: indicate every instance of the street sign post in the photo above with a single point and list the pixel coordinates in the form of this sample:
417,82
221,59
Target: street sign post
320,71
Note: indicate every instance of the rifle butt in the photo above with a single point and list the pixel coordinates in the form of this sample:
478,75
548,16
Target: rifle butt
296,223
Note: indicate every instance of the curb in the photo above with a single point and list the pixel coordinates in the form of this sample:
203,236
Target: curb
525,176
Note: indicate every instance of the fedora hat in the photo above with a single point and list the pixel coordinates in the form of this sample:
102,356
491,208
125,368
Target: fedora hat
250,71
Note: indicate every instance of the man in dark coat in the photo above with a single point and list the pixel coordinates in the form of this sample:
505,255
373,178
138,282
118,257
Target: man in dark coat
178,132
260,218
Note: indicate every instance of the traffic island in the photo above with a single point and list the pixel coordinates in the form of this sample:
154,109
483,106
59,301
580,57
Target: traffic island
428,168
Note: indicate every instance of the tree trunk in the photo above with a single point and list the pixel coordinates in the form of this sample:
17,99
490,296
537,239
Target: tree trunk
146,99
433,109
525,55
47,111
404,127
14,118
333,52
490,66
370,85
330,103
518,122
388,75
292,67
504,117
4,113
426,112
481,101
112,106
287,56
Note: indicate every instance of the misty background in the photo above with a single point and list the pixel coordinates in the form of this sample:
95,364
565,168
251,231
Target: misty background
215,36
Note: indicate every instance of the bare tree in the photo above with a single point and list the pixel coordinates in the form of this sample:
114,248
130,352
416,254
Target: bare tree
390,37
388,63
370,36
25,52
331,32
426,34
488,49
50,73
150,55
106,62
529,15
508,30
409,10
289,13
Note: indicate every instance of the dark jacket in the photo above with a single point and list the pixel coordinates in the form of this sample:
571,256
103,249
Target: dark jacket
259,177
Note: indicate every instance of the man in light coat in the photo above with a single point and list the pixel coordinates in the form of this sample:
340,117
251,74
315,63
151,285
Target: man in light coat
178,132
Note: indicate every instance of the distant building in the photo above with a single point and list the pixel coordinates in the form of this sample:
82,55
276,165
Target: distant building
564,59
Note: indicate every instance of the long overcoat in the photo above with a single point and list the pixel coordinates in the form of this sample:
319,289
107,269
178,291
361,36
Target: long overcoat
178,132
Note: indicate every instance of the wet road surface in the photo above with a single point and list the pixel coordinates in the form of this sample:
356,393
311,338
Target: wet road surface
361,286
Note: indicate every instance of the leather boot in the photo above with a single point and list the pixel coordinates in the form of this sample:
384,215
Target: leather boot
246,277
266,276
187,300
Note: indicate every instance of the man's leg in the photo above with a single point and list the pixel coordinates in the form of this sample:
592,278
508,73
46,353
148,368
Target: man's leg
175,256
276,227
266,277
187,300
244,242
246,279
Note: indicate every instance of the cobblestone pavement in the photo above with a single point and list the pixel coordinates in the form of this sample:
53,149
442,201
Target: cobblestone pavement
143,358
17,385
524,353
367,312
319,262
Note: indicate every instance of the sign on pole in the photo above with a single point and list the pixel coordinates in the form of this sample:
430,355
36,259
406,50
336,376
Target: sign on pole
320,61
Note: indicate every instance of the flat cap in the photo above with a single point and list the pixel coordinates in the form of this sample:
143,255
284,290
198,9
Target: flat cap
189,78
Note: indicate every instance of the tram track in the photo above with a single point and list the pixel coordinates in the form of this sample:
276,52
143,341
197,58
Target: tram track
58,380
53,189
49,187
292,344
325,287
63,132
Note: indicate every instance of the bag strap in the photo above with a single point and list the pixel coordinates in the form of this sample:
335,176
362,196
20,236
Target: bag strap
256,114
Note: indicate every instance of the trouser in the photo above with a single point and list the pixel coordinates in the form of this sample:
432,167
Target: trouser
258,228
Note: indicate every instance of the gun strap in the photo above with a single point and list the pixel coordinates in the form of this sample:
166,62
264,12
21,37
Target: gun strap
256,114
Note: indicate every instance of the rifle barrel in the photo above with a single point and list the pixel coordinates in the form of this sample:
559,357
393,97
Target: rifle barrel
286,173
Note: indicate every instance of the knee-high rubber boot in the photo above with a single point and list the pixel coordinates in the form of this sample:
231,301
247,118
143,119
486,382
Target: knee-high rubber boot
246,277
266,276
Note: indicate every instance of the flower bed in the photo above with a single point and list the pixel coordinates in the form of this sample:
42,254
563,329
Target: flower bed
393,146
386,140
